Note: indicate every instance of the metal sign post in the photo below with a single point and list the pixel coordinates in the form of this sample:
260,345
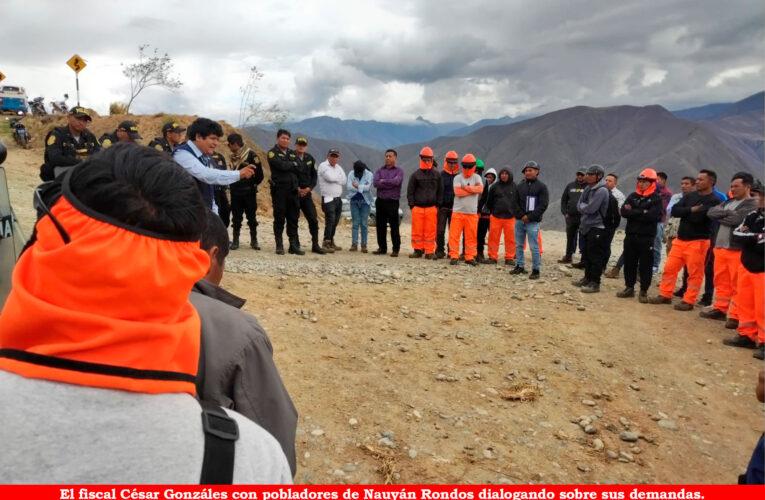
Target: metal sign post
77,64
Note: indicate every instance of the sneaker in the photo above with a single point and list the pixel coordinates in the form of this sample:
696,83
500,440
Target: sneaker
416,254
454,262
565,260
379,251
430,256
354,248
759,353
472,262
658,299
643,297
626,293
490,261
612,273
509,262
580,282
704,302
683,306
713,314
731,324
740,341
534,274
518,270
591,288
578,265
394,253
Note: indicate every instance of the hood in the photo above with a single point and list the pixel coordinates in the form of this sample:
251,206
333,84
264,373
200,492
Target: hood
648,173
491,171
510,180
451,155
109,309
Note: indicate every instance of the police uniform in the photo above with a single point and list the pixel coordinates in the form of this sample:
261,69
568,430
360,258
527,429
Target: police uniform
284,195
244,199
161,144
221,196
108,139
63,150
307,178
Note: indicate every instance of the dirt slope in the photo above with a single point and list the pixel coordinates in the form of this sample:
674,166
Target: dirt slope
421,372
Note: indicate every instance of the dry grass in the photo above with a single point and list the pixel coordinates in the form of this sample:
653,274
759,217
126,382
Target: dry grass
387,462
523,392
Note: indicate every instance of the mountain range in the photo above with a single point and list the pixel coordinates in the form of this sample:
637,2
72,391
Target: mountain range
725,137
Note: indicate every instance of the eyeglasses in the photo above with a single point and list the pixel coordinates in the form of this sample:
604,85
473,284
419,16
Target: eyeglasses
452,162
41,207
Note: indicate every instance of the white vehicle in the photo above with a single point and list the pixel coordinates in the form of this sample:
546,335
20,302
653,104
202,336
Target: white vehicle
372,212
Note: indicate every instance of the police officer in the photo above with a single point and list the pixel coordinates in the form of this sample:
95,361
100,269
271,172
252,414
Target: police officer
171,137
221,192
284,192
127,131
307,179
244,194
68,145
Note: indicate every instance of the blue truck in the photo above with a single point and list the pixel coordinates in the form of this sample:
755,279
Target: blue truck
13,100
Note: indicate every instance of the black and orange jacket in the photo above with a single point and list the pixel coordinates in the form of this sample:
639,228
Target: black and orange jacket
425,188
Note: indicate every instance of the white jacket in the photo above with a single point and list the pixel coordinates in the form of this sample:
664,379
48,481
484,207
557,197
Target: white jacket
331,181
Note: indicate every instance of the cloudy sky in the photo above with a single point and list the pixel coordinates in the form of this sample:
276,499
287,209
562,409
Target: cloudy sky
392,61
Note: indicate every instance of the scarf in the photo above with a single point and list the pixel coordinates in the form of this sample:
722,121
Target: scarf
239,157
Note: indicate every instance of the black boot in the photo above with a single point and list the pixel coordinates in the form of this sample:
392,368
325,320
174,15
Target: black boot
316,248
254,239
279,244
235,242
295,247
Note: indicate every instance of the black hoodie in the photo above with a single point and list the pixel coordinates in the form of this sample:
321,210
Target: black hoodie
501,198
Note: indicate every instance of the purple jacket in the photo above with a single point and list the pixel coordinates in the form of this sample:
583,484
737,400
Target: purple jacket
388,182
665,194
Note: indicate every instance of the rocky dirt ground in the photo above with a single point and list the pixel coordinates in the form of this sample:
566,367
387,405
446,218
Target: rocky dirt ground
412,371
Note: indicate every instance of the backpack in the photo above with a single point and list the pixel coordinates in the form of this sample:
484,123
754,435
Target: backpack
612,217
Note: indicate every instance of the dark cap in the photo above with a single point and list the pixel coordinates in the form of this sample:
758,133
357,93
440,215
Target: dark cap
531,164
581,171
596,169
302,141
757,186
333,152
80,112
131,128
171,127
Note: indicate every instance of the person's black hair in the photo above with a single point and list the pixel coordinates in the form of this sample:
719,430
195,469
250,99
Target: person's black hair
711,174
215,235
616,177
746,178
235,139
204,127
392,151
283,131
689,178
662,175
142,188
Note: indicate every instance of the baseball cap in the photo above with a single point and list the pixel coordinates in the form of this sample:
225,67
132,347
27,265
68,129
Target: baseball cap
172,127
302,141
333,152
581,171
80,112
131,128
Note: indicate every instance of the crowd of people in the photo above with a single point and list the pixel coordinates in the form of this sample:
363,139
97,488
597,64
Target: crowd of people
119,355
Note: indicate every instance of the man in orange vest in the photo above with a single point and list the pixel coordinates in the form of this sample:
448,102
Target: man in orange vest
467,188
424,194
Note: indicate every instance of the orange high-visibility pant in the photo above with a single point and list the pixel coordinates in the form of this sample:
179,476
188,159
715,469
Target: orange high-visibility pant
541,251
469,224
424,228
496,227
727,263
690,254
751,304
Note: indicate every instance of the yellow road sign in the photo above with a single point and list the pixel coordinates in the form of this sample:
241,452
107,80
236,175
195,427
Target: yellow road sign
76,63
2,77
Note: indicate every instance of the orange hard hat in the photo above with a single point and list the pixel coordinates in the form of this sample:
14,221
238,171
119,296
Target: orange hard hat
648,173
451,155
427,152
469,160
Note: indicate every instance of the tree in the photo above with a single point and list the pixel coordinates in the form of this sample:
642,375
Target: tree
151,70
252,110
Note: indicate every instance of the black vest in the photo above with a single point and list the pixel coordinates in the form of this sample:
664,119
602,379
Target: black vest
207,190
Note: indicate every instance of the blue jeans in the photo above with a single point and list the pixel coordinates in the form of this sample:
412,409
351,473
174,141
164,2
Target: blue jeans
360,216
657,244
532,230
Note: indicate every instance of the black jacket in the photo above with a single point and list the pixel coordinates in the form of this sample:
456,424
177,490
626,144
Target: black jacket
570,198
447,201
161,144
694,225
501,200
284,171
248,187
751,236
643,215
61,150
425,188
526,189
306,171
